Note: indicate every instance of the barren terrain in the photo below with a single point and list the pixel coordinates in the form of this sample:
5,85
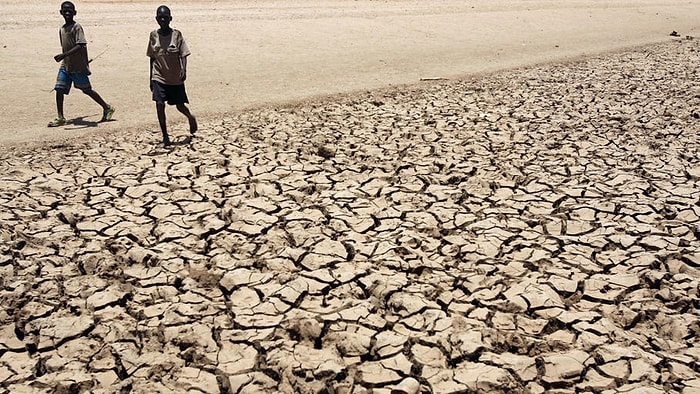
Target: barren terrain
247,53
508,229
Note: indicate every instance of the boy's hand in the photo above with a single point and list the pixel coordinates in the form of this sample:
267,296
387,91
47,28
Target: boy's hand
183,75
59,57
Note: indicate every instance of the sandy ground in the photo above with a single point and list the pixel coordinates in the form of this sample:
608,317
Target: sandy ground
247,53
528,230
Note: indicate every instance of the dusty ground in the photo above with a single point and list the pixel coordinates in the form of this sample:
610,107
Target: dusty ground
529,230
246,52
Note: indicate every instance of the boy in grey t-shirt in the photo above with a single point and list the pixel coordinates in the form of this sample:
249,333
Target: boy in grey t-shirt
168,52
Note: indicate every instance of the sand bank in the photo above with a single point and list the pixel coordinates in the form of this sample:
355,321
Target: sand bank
248,53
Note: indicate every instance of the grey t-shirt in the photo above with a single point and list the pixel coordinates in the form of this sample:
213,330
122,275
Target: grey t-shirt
71,36
167,52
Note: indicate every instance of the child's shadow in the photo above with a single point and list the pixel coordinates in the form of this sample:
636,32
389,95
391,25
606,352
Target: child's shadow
182,141
81,123
161,149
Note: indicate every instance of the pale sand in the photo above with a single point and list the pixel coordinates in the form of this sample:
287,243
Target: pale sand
248,53
527,230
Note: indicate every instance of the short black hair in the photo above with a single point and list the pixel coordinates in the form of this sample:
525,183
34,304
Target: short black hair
163,9
68,4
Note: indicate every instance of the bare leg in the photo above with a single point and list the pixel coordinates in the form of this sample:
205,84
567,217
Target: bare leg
59,102
186,111
160,110
98,99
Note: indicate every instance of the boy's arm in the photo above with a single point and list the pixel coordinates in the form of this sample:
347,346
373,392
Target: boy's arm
183,72
71,51
184,53
150,73
151,58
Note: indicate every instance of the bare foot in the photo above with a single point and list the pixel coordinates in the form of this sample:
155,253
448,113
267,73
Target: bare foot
193,125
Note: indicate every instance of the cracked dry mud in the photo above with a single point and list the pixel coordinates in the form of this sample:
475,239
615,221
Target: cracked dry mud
531,230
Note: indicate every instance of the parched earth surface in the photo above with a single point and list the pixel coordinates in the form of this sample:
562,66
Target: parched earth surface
528,231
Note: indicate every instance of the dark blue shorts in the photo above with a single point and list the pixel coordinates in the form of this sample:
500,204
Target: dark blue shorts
172,94
66,79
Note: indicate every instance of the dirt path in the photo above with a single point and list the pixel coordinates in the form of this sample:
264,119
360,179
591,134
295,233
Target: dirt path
247,53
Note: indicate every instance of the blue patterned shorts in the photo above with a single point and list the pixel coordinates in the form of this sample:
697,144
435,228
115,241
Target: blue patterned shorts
80,79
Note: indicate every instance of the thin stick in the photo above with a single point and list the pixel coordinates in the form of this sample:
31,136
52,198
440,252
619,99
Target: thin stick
89,61
98,55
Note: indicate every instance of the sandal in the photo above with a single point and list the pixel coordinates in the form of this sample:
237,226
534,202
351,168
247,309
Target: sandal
57,122
107,114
